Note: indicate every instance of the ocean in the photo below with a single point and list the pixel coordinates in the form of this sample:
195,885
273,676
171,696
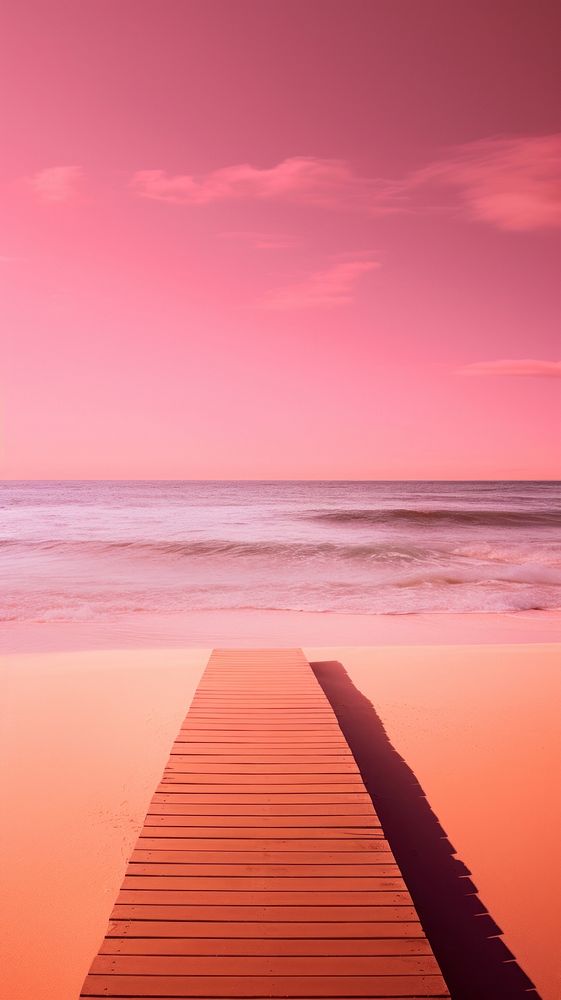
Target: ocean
92,551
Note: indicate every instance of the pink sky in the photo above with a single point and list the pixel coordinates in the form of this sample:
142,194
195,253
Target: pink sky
280,238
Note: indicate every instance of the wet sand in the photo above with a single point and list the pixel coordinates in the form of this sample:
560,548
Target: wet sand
87,734
200,629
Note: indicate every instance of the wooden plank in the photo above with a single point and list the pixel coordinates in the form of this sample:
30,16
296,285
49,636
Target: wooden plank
290,913
345,782
408,996
249,965
169,784
213,752
261,869
263,749
254,739
163,818
328,797
361,874
264,986
261,715
225,730
167,895
294,859
185,764
275,929
290,730
320,824
170,880
182,826
264,946
281,846
169,805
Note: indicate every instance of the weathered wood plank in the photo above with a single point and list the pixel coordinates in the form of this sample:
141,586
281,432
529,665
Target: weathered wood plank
253,929
316,823
272,856
264,899
264,986
169,805
249,965
275,883
274,947
361,874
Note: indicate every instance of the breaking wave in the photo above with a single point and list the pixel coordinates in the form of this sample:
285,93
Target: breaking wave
94,551
441,516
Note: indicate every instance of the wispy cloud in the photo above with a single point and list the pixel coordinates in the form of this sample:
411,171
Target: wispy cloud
56,184
309,180
333,286
513,184
525,367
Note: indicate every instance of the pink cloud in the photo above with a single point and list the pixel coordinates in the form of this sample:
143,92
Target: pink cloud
331,287
514,184
56,184
527,367
328,183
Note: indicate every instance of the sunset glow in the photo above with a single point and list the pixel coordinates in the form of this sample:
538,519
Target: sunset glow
280,512
261,240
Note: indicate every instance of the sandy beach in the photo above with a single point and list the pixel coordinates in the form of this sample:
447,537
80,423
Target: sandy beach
87,735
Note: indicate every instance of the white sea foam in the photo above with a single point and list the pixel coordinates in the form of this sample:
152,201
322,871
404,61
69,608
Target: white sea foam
90,551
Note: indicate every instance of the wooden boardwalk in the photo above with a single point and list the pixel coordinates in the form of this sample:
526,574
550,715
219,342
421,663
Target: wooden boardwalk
262,869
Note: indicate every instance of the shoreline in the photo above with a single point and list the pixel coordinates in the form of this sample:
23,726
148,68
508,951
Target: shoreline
196,629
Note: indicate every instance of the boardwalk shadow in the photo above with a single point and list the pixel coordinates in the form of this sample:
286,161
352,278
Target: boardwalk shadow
474,959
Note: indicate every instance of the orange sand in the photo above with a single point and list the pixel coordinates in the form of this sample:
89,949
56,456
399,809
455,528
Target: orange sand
87,735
